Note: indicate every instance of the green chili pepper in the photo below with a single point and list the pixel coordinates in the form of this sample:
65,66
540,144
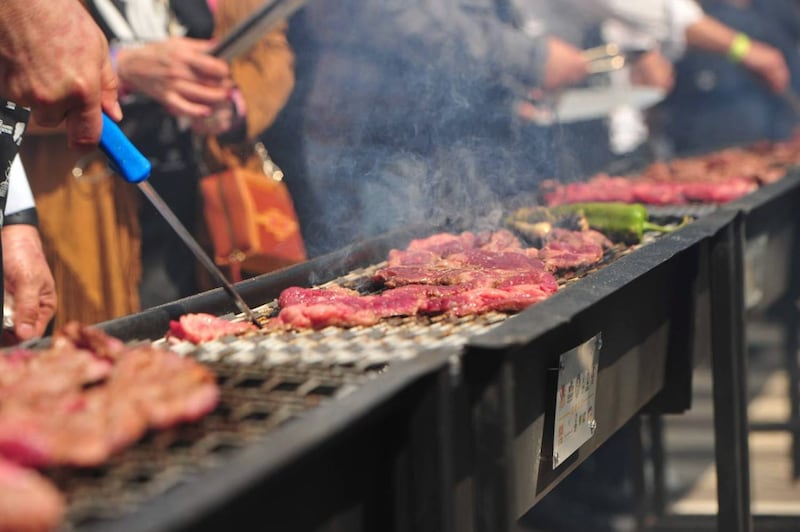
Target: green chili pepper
619,221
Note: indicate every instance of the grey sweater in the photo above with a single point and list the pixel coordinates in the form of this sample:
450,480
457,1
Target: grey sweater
412,72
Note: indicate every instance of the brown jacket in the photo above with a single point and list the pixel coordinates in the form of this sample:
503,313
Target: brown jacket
89,225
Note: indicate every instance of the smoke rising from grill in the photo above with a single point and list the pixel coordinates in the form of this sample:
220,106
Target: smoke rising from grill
399,117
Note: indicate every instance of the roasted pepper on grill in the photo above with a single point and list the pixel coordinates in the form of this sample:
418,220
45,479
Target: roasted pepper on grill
625,222
619,221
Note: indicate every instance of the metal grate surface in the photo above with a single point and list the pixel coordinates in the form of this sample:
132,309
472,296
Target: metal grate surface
266,379
676,212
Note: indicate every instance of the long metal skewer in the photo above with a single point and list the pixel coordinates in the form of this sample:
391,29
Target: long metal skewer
158,202
134,167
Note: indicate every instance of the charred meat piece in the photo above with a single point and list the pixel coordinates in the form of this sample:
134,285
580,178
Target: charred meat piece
198,328
89,338
718,192
70,406
168,389
570,250
28,501
601,187
653,192
31,376
452,274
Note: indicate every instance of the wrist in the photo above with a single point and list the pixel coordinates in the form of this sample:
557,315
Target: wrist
24,217
118,52
740,46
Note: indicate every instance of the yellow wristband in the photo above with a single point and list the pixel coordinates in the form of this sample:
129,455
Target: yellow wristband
739,47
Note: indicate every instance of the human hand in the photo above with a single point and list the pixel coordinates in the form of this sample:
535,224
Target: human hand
565,65
178,73
767,63
54,59
652,69
27,280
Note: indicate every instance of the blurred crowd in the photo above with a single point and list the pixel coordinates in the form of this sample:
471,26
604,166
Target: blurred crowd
387,113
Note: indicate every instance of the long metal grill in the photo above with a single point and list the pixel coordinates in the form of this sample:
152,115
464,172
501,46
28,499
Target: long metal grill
266,379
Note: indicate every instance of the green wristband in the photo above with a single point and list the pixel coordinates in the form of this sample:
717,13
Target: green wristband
739,47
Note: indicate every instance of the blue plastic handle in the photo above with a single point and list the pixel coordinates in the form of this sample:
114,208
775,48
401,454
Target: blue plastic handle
122,154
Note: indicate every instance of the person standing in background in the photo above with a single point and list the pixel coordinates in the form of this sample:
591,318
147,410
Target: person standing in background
401,113
737,96
172,90
666,29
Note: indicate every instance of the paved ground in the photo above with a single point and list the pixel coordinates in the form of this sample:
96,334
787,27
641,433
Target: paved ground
689,439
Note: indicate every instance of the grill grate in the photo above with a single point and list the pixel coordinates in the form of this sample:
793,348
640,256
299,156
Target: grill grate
265,379
677,212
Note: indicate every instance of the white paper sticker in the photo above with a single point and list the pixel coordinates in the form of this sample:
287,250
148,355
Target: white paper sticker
754,270
575,396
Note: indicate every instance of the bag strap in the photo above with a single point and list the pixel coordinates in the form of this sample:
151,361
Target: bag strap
209,150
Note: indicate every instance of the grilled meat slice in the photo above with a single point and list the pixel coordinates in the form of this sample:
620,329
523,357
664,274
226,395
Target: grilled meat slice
569,250
28,501
454,274
69,406
198,328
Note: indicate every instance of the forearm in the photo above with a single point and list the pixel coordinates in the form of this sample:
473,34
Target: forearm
710,35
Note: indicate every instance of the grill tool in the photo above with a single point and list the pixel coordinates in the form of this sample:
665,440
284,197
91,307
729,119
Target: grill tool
610,57
250,30
135,168
595,101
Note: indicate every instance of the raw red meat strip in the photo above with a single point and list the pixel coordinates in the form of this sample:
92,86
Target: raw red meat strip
28,501
199,328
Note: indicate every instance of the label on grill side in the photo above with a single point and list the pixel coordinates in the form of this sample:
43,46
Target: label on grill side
755,270
575,396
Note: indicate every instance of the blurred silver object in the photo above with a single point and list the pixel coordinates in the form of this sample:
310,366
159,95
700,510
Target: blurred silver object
610,57
8,311
590,103
249,31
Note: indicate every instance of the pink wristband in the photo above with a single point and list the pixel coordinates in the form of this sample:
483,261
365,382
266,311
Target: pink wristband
239,107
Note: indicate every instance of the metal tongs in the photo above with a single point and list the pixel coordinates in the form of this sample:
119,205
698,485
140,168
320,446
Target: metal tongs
609,57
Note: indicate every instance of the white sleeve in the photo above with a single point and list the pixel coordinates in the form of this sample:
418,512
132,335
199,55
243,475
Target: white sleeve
682,14
20,196
663,20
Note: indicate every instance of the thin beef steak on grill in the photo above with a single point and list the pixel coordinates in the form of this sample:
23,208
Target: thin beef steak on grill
199,328
28,501
459,275
71,406
568,250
